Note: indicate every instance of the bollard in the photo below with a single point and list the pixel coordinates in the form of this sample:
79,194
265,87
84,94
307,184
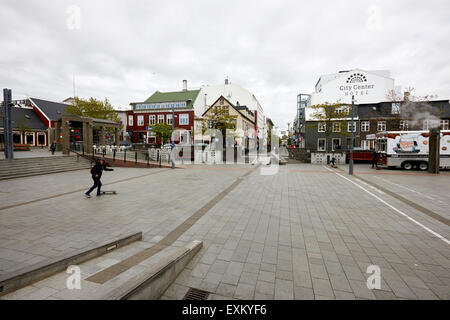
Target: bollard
125,155
135,157
114,155
148,158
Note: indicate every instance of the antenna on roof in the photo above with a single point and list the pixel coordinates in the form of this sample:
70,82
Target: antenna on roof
74,94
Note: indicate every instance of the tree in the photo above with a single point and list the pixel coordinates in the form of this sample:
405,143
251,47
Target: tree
93,108
162,131
331,118
23,127
218,118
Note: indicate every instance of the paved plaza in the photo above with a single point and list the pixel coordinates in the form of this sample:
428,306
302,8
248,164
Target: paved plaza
307,232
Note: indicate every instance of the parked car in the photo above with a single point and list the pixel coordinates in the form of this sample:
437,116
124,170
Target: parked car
125,145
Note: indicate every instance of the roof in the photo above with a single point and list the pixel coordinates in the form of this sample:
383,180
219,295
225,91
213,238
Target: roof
52,110
27,117
233,106
232,92
189,96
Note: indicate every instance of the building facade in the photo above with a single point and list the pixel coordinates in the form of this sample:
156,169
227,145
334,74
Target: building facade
376,117
158,109
244,122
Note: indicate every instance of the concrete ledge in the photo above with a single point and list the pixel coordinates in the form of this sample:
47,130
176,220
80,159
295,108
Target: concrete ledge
153,282
26,276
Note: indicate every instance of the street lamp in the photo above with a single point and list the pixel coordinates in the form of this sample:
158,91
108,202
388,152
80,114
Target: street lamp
173,129
350,167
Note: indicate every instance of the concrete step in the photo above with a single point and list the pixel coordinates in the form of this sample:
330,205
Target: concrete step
144,279
35,166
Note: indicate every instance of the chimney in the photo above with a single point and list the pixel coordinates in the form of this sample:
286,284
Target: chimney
205,101
406,96
184,85
226,81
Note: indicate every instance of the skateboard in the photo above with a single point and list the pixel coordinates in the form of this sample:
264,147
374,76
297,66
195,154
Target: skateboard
109,192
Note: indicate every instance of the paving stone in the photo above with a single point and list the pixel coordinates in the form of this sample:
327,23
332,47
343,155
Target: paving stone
344,295
322,287
267,276
360,289
244,291
284,289
226,290
302,293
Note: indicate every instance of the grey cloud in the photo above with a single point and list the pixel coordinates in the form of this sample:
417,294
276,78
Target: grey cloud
125,50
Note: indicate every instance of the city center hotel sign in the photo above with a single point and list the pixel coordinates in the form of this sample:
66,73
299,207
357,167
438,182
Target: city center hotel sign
366,86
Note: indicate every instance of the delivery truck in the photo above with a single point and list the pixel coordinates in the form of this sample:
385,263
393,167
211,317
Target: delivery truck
409,149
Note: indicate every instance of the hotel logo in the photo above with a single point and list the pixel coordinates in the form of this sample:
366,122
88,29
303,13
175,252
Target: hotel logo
356,77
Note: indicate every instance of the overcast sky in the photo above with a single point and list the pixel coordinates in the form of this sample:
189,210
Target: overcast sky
126,50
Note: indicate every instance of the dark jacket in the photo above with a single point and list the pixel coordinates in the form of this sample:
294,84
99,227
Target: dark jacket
98,170
53,146
374,157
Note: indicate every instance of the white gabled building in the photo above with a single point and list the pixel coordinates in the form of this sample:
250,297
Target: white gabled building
234,93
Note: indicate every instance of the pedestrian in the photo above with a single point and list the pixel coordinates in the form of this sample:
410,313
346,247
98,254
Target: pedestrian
374,160
53,147
96,173
333,162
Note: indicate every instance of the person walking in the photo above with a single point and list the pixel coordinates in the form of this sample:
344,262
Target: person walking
96,172
53,147
374,160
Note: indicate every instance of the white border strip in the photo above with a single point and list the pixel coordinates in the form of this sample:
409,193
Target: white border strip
393,208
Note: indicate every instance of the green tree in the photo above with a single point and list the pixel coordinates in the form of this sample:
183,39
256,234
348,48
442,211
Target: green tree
23,127
162,131
331,118
93,108
218,118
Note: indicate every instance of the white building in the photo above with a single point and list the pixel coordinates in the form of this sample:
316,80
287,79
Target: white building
234,93
367,86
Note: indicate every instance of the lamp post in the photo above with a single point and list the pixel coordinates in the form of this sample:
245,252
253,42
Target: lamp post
173,141
350,167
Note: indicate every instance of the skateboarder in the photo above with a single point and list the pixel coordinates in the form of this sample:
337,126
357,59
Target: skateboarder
96,172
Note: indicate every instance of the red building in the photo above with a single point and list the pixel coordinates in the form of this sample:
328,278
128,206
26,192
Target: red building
158,109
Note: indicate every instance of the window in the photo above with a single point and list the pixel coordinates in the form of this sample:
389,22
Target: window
17,138
365,126
381,126
365,144
336,145
160,118
351,127
140,120
403,126
444,124
169,119
395,108
184,119
221,101
321,127
336,127
41,139
151,119
29,138
321,144
130,120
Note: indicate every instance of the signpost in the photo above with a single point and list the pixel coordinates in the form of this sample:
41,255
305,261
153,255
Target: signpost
350,167
9,145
